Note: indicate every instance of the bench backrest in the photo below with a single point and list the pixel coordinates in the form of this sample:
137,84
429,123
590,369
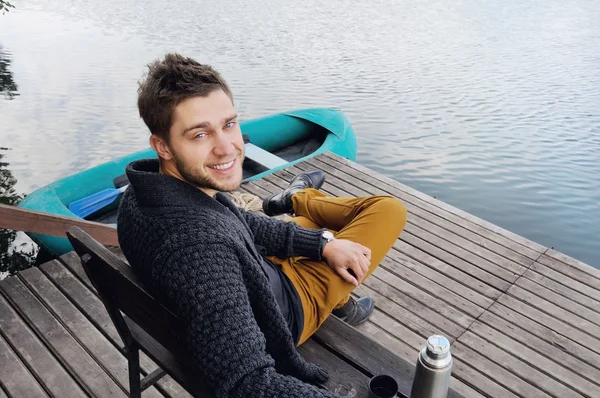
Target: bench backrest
123,293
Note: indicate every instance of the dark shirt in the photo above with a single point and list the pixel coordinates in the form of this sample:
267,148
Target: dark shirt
287,298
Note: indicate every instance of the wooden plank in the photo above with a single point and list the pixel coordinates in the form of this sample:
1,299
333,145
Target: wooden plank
435,282
473,289
95,343
464,389
84,299
505,358
19,219
540,346
495,372
573,262
496,284
545,333
560,300
73,263
386,315
348,185
550,274
396,328
559,375
432,222
344,379
581,274
90,305
524,246
561,327
469,375
15,377
263,157
38,359
64,347
439,316
563,290
556,311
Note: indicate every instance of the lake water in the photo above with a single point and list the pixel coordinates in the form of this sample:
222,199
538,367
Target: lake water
491,106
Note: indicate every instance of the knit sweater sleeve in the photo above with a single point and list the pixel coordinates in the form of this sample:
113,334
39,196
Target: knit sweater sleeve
284,239
203,285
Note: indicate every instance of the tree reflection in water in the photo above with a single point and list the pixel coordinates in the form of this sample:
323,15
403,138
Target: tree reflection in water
8,87
13,256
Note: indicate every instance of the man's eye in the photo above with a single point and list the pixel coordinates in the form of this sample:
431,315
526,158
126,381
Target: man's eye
230,125
200,135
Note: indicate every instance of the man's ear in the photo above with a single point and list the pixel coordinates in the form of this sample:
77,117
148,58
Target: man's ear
161,147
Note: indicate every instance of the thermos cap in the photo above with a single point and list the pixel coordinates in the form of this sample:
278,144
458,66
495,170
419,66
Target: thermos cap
437,346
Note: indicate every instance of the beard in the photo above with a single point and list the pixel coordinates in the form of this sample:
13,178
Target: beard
195,178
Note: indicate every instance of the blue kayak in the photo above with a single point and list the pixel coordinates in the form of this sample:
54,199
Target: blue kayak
275,142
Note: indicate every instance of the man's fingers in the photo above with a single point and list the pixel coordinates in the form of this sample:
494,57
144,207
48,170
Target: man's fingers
358,270
367,252
345,274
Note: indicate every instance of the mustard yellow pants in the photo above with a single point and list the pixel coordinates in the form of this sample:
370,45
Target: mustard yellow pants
374,222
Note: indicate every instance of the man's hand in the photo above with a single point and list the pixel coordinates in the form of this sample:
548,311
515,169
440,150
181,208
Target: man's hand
346,257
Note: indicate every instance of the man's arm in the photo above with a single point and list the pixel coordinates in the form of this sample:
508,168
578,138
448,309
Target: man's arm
284,239
203,285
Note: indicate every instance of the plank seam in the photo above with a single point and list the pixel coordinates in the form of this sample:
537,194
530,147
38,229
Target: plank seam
4,389
497,298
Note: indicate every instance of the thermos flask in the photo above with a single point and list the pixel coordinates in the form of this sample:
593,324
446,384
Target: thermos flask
434,366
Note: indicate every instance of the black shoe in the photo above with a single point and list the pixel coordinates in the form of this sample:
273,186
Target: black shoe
355,312
281,203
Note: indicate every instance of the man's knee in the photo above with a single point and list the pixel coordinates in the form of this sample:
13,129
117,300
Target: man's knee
395,212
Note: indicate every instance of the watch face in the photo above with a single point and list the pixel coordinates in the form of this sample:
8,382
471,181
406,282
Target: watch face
327,235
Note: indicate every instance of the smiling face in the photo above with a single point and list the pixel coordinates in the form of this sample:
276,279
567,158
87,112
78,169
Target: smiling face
205,146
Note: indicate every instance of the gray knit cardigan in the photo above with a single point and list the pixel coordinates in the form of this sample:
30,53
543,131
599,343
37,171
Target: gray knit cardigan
199,256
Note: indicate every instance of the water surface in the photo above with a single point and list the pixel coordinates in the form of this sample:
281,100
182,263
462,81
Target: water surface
493,107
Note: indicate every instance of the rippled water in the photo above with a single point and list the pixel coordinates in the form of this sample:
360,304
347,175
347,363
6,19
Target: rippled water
493,107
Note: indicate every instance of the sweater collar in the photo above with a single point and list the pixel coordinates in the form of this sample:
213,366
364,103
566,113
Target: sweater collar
155,189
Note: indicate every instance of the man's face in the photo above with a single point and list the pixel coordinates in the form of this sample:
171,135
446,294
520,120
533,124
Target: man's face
206,144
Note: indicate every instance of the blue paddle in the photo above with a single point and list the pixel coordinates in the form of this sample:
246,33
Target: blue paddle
91,204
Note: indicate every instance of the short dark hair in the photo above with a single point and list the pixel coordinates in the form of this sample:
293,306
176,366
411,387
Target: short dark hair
170,81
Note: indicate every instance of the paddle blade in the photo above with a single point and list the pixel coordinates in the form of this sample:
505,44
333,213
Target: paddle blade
91,204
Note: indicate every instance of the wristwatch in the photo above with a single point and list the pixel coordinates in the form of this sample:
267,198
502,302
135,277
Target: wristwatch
326,237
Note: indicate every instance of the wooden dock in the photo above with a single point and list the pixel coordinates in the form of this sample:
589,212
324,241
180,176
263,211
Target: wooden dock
523,319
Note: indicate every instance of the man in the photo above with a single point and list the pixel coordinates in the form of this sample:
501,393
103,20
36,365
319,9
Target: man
248,288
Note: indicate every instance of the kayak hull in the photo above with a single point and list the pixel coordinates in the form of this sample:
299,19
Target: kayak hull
269,133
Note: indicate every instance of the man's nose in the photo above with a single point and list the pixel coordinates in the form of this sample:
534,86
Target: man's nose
223,145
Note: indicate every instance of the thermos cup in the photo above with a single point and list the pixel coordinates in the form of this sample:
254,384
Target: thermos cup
383,386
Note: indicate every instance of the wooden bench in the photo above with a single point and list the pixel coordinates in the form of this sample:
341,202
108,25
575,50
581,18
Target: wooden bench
145,324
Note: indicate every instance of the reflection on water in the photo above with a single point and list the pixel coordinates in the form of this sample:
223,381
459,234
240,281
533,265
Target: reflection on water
16,252
8,87
491,106
13,256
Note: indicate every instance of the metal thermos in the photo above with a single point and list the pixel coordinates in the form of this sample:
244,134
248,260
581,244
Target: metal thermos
434,366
